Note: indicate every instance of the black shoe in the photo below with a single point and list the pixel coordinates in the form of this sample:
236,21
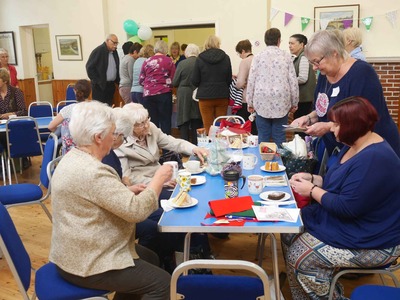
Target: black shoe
26,163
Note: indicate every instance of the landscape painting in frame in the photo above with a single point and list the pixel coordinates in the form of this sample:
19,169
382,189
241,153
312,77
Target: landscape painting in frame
69,47
336,17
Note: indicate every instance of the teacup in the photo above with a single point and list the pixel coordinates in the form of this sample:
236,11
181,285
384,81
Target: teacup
253,140
249,161
175,168
193,165
183,180
255,184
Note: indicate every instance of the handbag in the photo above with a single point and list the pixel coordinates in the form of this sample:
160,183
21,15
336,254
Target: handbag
295,164
171,156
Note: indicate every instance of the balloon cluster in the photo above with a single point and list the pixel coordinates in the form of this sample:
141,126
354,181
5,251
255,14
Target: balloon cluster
139,33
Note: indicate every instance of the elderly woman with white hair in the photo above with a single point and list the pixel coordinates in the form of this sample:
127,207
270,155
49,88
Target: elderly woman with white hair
156,77
140,153
94,218
188,117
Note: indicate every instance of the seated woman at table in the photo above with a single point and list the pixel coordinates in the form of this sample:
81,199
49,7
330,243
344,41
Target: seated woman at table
12,100
140,153
94,218
353,221
82,91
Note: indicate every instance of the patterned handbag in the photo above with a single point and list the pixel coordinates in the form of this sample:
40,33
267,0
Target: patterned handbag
295,164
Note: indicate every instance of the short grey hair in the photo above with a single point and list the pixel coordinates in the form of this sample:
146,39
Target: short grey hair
137,112
3,51
325,43
88,119
192,50
123,122
161,47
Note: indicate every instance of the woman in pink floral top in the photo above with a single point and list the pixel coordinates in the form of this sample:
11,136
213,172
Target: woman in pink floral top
156,77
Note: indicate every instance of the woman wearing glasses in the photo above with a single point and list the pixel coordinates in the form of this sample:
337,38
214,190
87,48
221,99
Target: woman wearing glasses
342,76
140,154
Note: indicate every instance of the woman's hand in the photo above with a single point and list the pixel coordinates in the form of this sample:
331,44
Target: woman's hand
137,188
302,121
318,129
170,184
302,175
201,153
300,185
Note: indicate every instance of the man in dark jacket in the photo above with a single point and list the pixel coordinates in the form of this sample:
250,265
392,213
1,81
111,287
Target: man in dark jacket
102,68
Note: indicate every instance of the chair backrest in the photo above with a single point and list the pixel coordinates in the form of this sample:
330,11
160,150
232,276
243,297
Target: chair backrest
40,109
23,137
50,153
14,252
196,287
70,94
64,103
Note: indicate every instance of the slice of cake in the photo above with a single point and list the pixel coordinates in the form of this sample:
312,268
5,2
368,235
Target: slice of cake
182,199
271,166
276,195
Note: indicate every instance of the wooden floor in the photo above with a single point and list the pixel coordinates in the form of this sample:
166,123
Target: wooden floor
35,230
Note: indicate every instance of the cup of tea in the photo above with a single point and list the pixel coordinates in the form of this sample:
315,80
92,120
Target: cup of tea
192,165
255,184
183,180
249,161
175,168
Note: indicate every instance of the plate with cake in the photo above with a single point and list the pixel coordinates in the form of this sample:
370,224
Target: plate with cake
182,200
272,166
275,196
197,180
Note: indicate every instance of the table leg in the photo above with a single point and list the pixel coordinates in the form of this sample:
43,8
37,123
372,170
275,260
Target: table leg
275,268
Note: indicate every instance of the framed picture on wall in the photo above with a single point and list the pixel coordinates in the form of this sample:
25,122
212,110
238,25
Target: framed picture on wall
336,17
69,47
7,42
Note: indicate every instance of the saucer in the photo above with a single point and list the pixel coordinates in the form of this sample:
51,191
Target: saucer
264,196
194,202
281,168
199,180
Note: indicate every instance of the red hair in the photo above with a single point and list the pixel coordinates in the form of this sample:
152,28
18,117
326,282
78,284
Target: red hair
356,116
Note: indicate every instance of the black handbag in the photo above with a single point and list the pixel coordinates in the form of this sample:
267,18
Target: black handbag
171,156
295,164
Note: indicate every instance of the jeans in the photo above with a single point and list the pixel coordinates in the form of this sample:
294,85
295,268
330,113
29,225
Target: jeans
160,110
268,128
137,97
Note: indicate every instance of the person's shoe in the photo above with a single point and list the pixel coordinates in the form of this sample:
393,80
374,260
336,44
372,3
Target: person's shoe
222,236
26,163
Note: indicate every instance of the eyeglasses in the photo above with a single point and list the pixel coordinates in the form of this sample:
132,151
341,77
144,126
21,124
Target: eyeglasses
316,63
142,124
115,43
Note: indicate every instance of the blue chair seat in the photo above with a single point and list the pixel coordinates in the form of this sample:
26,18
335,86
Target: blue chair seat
20,193
373,292
49,280
221,287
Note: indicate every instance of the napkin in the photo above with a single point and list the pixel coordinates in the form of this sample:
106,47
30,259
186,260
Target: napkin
228,206
165,205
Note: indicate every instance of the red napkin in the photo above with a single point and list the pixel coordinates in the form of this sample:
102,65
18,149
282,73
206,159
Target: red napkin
301,200
224,207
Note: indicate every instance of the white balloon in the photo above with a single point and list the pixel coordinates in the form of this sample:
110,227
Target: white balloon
144,32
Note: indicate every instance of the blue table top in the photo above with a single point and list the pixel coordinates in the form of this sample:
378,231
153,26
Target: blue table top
190,219
42,123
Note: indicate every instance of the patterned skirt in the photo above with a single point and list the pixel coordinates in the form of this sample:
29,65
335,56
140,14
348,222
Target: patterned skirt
311,264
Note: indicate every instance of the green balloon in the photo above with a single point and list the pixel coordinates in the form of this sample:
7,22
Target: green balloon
131,27
135,39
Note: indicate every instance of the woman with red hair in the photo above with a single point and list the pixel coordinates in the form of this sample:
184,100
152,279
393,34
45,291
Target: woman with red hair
353,221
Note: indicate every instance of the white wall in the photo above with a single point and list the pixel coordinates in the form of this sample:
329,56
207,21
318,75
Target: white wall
234,21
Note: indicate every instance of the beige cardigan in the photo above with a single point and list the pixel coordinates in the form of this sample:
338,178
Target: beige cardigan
94,216
140,163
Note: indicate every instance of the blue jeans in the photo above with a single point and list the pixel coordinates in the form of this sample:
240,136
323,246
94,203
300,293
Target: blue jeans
268,128
137,97
160,110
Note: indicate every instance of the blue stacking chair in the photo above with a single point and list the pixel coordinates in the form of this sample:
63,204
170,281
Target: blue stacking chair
374,292
48,284
70,94
216,287
41,109
63,103
30,193
23,140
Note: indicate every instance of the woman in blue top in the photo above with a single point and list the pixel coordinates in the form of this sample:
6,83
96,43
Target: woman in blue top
354,218
343,76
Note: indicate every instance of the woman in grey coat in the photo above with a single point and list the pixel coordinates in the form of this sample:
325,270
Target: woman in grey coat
188,117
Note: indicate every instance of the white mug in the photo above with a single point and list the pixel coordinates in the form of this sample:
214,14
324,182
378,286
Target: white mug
255,184
175,168
253,140
249,161
193,165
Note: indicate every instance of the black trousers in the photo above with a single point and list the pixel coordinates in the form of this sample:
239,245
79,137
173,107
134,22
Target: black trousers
106,95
